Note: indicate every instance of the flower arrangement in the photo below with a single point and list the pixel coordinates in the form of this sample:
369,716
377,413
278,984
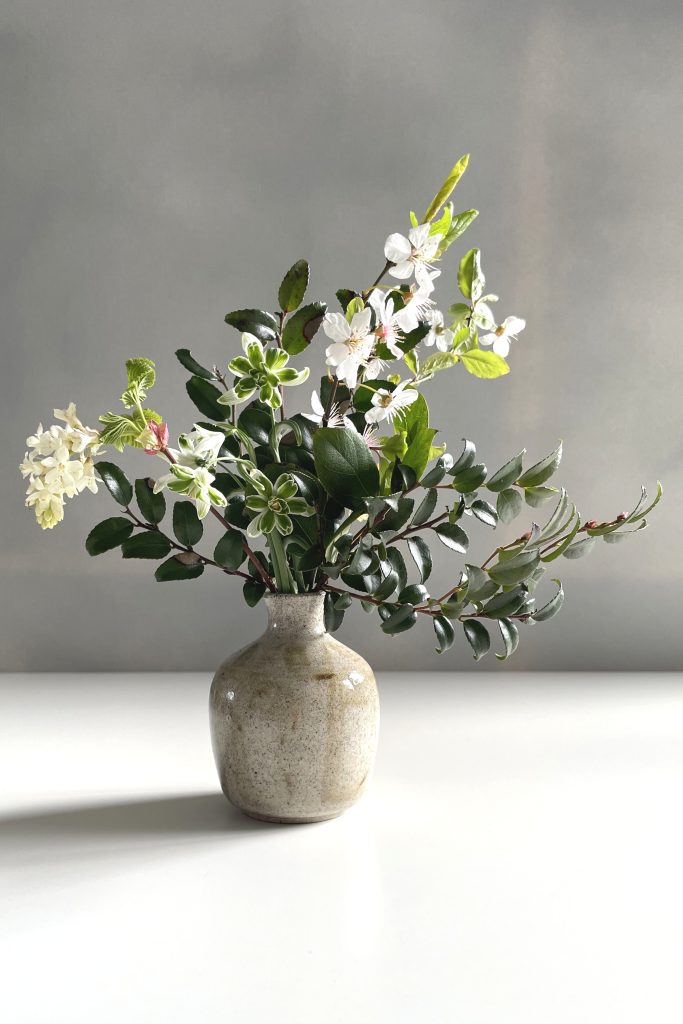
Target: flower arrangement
347,498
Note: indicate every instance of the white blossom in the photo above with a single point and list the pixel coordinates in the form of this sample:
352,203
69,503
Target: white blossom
387,329
419,304
200,447
335,417
353,343
438,334
385,404
196,483
407,253
503,335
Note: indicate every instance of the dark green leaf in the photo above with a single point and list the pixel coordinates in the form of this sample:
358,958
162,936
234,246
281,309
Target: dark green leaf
505,604
387,587
256,423
413,594
400,620
453,537
425,508
422,557
508,505
149,544
254,321
230,551
344,466
468,480
187,525
541,471
302,327
334,616
445,634
580,548
394,520
507,474
345,295
438,472
152,506
116,482
484,512
293,287
253,591
176,570
205,396
469,454
552,607
186,359
515,569
395,559
510,635
107,535
477,637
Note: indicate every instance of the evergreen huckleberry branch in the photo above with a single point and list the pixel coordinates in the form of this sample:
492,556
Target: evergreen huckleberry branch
333,500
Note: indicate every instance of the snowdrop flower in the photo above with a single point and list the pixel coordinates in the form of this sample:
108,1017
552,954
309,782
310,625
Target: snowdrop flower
438,334
196,483
407,253
419,304
501,337
385,404
386,329
200,447
353,343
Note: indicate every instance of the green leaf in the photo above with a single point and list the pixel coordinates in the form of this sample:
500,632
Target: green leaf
302,326
507,474
453,537
230,551
116,482
152,506
174,569
438,472
262,325
149,544
413,594
205,396
505,604
639,512
508,505
470,278
459,225
579,548
396,560
387,587
484,512
436,362
421,555
484,363
344,465
186,359
468,480
537,496
120,430
541,471
510,635
477,637
564,544
515,569
141,377
469,454
399,621
397,518
107,535
334,615
552,607
293,287
449,184
616,538
425,508
345,296
445,634
253,591
187,525
419,435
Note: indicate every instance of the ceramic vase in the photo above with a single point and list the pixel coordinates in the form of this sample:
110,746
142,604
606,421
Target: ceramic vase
294,718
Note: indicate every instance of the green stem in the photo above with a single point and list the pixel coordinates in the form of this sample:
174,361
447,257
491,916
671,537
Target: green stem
284,580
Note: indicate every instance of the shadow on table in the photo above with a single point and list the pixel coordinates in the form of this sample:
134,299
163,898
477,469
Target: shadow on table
187,817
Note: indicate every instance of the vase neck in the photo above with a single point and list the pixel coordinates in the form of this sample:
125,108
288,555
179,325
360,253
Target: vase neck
296,615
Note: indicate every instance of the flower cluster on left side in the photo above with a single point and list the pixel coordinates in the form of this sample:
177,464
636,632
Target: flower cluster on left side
59,465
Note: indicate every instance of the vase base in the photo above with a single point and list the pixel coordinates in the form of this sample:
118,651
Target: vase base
282,820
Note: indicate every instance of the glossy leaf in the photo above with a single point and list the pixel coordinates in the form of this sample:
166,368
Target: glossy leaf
445,633
422,556
484,512
484,363
302,327
149,544
477,637
449,184
253,591
400,620
107,535
397,562
186,359
414,593
469,454
515,569
543,470
537,496
344,466
507,474
293,287
425,508
510,635
205,396
262,325
174,569
187,526
580,548
152,506
505,604
470,479
116,482
453,537
230,551
549,610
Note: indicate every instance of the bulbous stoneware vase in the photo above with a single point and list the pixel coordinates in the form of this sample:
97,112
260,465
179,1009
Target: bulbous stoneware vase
294,718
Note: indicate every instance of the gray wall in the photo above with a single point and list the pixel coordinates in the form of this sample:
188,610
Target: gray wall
164,162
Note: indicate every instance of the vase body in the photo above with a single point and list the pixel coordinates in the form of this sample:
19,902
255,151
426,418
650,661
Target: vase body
294,718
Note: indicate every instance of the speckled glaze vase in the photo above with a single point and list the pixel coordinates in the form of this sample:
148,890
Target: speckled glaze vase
294,718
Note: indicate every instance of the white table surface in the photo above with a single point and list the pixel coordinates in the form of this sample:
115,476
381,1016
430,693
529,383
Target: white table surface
519,860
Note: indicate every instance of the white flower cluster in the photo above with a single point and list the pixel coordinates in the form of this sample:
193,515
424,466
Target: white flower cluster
58,465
